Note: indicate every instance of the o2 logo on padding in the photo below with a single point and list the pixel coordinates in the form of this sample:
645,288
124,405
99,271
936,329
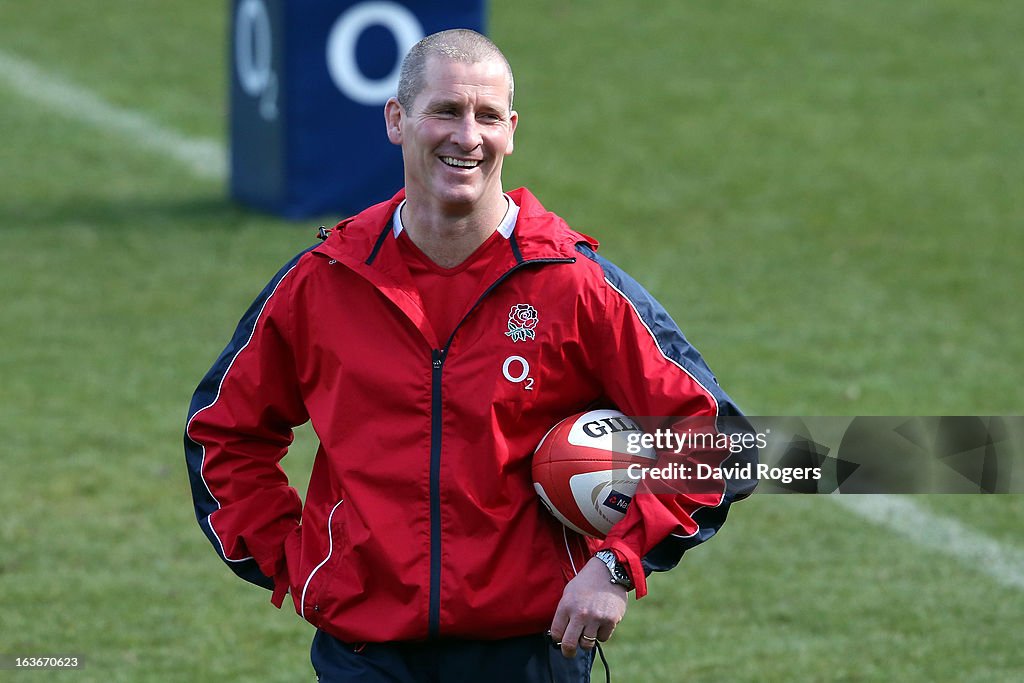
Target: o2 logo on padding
516,369
341,49
254,56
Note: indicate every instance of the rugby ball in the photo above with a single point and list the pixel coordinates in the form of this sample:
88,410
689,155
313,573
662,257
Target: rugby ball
580,469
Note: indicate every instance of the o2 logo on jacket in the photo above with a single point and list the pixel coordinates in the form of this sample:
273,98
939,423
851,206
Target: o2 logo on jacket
516,369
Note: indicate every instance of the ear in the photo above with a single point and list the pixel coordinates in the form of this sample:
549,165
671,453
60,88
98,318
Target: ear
513,120
393,120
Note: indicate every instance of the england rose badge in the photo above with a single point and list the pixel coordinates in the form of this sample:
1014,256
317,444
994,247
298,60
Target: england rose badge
522,320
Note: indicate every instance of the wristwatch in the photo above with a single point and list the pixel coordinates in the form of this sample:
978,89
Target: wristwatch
615,568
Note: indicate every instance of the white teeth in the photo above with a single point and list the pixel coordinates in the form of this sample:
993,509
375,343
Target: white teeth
460,163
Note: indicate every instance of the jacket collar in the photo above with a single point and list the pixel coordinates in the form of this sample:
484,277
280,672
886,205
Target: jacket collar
366,244
538,234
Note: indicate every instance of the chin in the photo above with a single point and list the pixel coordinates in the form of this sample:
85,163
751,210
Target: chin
459,196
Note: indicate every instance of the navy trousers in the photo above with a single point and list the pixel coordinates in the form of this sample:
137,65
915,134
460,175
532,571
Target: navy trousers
527,659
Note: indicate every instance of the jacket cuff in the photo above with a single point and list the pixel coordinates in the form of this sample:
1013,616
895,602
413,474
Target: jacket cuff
281,585
277,570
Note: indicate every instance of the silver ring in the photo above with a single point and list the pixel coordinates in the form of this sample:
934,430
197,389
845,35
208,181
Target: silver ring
588,638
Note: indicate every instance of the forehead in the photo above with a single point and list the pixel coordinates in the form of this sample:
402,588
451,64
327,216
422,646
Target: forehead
446,79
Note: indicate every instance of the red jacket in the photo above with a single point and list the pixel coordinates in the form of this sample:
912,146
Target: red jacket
420,519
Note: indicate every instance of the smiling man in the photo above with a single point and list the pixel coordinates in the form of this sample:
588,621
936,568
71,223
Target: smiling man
455,123
421,552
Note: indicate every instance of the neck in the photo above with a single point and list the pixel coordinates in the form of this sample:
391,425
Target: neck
449,237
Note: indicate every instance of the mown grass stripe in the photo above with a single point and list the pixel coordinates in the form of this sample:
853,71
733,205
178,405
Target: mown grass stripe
204,157
943,534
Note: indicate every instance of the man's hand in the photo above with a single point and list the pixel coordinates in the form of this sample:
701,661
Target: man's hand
590,609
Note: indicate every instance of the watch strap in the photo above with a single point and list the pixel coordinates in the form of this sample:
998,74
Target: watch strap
618,572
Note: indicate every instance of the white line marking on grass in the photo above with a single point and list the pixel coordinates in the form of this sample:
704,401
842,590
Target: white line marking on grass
204,157
929,530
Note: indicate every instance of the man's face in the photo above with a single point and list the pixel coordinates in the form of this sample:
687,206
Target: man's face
455,134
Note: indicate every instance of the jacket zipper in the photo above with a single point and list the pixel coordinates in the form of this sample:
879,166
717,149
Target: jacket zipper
437,358
437,361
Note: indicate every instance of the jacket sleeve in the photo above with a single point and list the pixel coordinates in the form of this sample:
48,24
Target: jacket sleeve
239,428
649,370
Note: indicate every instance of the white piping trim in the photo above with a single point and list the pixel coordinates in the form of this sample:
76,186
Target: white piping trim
565,536
188,427
654,338
330,551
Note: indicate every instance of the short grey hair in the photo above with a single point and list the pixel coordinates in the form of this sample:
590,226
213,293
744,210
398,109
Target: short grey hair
459,45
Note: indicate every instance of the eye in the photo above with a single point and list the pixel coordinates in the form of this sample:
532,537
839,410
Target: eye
446,111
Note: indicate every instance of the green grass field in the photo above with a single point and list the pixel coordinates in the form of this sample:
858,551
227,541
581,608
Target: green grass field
826,195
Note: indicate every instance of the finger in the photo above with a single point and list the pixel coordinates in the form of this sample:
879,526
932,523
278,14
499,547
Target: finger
571,639
558,626
587,642
605,632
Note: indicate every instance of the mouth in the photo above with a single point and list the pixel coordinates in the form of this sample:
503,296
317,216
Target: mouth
460,163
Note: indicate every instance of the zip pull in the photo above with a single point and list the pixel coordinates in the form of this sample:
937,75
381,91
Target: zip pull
438,358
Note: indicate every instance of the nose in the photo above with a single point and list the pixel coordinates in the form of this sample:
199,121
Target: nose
466,133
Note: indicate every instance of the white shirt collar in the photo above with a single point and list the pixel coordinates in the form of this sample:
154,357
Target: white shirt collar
505,227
